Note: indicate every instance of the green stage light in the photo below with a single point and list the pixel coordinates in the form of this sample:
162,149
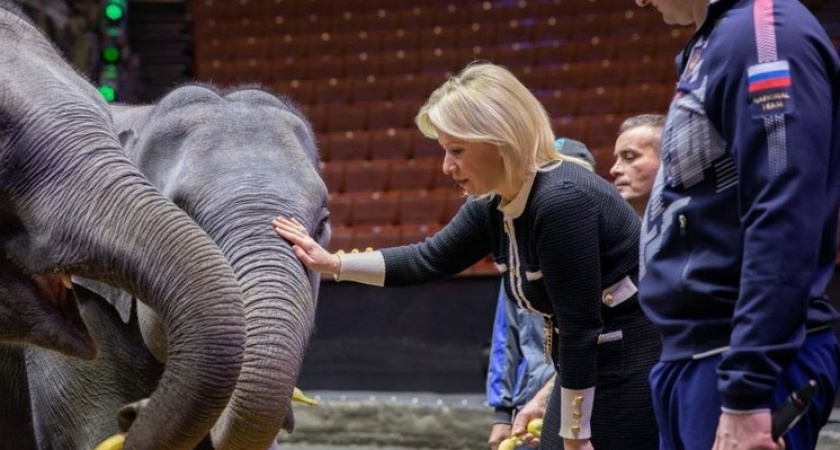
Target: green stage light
108,92
109,72
111,53
114,11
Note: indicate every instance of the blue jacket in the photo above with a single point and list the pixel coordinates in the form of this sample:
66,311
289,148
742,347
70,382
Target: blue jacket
517,368
739,238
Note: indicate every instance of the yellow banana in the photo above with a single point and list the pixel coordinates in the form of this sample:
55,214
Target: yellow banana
298,396
509,444
535,427
114,442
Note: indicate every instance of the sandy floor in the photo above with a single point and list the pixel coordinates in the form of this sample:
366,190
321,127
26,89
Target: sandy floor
414,421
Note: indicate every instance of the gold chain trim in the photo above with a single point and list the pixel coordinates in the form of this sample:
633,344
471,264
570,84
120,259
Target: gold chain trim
548,340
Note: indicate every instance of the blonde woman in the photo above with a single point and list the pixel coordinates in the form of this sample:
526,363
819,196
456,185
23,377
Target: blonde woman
563,238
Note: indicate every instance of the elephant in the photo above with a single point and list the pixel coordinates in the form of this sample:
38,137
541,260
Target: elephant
232,159
73,204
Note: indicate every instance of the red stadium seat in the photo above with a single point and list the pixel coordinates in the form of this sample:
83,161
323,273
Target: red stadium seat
341,238
366,176
392,114
567,76
363,64
514,56
341,209
650,70
646,98
415,87
400,62
600,100
343,117
453,204
333,176
400,39
424,147
423,206
413,233
347,145
325,66
571,127
370,88
332,90
317,115
413,173
560,102
375,237
377,208
390,144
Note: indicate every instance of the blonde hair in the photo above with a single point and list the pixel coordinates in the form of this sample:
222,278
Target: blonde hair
487,103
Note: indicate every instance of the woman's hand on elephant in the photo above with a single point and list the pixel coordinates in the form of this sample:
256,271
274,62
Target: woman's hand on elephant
312,255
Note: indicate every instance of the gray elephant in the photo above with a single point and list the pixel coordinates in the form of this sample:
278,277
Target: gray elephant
233,160
72,203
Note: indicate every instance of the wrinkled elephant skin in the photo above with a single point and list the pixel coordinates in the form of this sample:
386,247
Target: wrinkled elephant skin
72,203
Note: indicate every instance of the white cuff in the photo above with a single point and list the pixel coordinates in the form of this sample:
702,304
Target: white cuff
367,268
576,412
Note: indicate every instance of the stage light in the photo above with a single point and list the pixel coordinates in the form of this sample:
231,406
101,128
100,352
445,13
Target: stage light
114,10
113,47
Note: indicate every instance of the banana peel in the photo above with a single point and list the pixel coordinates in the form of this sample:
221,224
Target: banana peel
114,442
300,397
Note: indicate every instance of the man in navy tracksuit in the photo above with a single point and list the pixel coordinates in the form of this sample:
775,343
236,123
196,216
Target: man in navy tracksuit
739,238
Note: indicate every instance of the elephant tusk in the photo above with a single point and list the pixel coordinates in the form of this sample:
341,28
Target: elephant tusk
114,442
66,280
298,396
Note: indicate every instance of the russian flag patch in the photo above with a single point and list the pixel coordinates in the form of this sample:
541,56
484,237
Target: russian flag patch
770,88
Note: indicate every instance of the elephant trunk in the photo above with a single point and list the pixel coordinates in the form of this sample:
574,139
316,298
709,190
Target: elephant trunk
279,313
168,262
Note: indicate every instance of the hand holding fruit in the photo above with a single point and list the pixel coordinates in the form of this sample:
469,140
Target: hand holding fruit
535,427
509,443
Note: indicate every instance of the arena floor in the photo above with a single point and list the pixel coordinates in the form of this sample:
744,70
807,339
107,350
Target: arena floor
414,421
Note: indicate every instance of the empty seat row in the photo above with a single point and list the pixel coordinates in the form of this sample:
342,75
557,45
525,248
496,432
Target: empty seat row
394,207
604,100
386,120
281,46
385,175
387,35
596,129
392,143
307,7
623,57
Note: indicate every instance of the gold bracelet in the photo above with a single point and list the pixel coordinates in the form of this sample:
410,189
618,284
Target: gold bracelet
337,275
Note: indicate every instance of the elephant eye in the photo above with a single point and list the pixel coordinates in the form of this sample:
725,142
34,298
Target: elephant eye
322,226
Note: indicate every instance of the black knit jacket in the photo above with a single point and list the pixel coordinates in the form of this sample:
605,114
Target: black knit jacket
575,237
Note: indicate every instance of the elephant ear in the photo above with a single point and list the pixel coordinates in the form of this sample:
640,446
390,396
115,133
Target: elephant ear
119,299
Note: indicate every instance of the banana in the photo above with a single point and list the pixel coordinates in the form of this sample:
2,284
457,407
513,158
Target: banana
509,444
535,427
114,442
298,396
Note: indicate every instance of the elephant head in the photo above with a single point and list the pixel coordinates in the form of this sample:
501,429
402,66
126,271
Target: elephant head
233,161
41,311
71,202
